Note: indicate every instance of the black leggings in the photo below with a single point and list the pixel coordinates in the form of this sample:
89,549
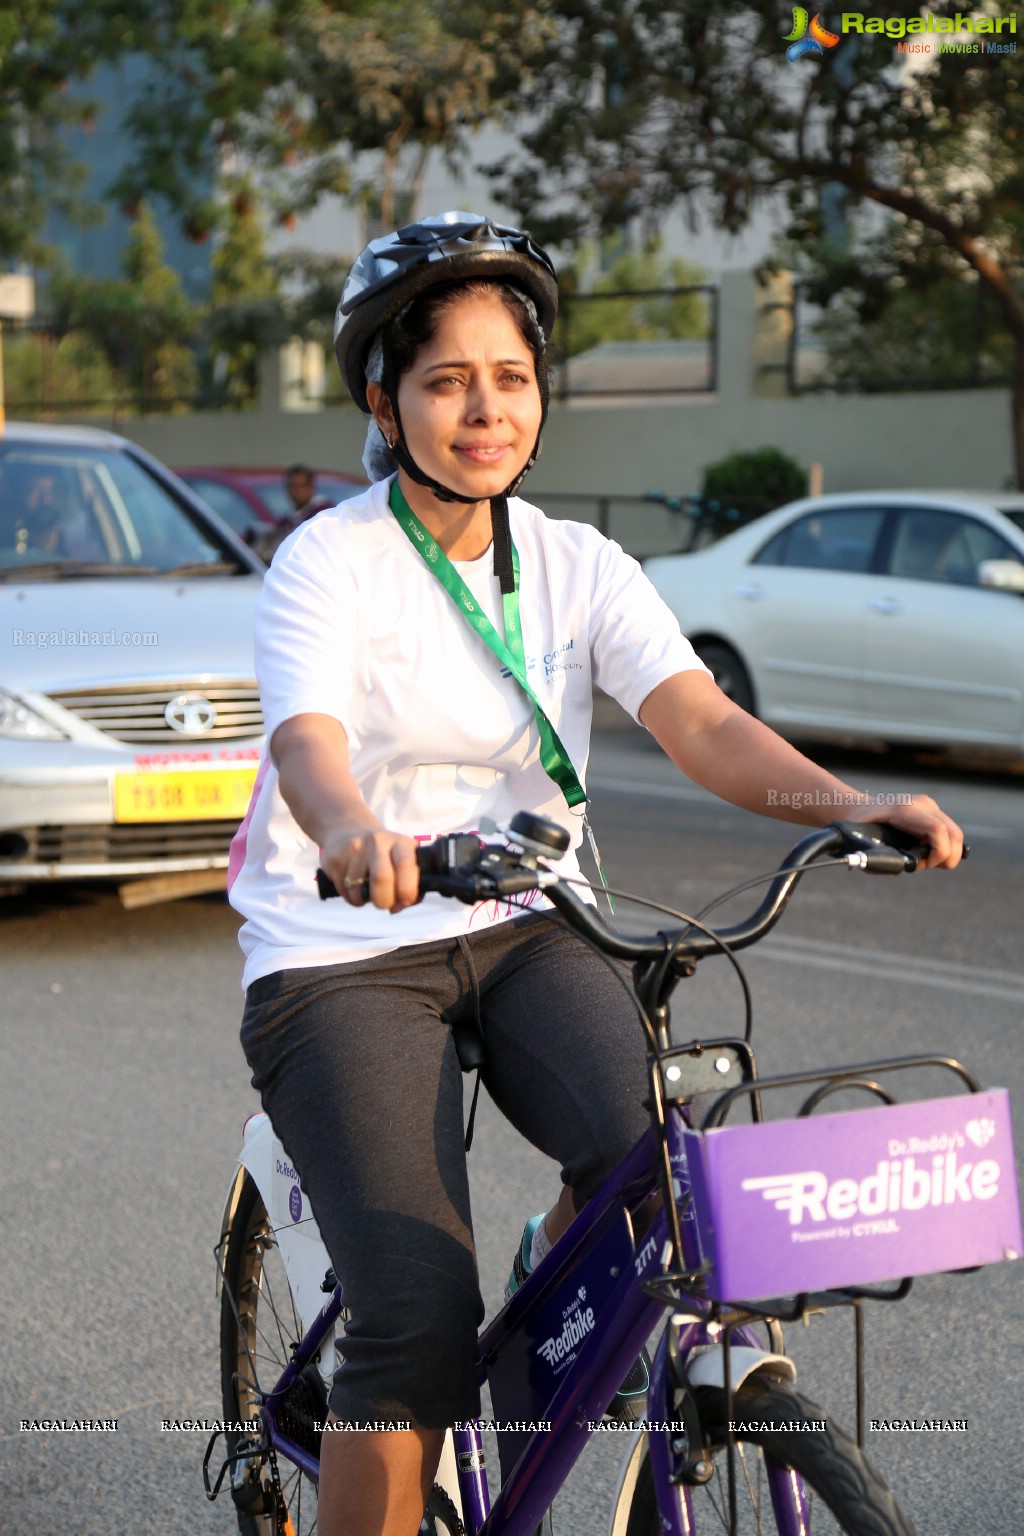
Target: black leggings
356,1067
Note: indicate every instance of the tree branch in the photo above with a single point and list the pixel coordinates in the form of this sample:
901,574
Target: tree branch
989,269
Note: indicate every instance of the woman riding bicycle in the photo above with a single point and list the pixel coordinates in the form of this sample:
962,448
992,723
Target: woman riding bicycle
394,636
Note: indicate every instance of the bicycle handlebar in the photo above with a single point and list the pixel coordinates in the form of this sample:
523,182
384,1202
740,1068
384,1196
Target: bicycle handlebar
460,866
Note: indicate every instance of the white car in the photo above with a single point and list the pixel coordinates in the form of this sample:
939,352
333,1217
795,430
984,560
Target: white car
892,616
130,722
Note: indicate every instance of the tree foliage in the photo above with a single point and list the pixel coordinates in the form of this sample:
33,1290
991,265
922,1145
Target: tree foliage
299,87
142,324
42,45
245,312
637,106
762,475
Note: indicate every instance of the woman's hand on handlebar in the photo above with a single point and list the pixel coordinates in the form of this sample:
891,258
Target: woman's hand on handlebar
924,821
375,861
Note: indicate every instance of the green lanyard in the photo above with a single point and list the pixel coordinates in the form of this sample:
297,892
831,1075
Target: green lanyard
554,759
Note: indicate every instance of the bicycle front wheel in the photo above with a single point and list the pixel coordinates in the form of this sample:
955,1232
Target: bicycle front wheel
841,1492
259,1325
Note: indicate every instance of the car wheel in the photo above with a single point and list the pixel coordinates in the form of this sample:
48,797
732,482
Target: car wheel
728,671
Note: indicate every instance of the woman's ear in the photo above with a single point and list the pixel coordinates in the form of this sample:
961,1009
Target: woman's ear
380,405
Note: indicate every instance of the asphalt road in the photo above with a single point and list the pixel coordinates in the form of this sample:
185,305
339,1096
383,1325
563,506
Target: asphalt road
123,1092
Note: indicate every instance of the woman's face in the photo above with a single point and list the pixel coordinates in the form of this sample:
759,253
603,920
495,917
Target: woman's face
470,403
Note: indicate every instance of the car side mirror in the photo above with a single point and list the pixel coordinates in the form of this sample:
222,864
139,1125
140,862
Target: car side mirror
1002,575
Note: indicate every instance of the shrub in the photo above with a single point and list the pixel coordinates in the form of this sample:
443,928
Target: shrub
764,476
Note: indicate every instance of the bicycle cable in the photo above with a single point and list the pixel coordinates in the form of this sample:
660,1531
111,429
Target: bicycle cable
690,922
698,923
746,885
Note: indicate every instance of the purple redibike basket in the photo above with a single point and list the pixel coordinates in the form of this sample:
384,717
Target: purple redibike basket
861,1196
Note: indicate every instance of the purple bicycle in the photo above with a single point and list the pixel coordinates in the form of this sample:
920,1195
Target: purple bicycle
721,1224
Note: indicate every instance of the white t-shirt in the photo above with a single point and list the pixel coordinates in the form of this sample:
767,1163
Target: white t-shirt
352,623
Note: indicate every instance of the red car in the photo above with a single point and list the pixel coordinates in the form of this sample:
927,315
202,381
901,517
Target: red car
255,501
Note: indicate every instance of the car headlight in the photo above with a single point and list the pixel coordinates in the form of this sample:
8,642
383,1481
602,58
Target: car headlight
20,722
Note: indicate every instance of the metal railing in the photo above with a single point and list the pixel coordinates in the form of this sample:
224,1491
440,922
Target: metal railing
652,341
647,341
656,523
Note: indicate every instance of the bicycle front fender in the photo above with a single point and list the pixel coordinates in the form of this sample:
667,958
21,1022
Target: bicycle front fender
705,1366
303,1254
683,1351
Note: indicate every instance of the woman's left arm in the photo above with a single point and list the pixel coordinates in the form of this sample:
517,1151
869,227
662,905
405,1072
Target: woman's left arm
727,751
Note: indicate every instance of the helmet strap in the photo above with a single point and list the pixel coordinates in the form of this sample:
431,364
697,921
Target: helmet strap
501,543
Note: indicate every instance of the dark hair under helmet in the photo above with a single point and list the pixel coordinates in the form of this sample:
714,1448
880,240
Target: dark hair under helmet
395,269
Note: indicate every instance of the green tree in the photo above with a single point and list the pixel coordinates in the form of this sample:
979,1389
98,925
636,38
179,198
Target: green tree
882,331
298,87
293,91
245,313
51,375
42,45
638,106
764,475
142,323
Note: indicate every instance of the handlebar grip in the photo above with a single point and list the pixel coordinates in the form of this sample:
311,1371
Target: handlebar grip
446,866
325,885
327,888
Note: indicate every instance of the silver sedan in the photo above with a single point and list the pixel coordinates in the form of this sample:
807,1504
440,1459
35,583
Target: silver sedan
130,723
875,617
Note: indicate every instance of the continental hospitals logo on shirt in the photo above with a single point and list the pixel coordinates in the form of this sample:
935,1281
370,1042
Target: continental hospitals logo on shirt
551,663
927,33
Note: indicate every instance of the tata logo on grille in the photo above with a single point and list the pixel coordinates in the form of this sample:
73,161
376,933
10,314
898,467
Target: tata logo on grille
191,714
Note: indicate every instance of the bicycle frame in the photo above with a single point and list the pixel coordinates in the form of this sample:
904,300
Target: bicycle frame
555,1355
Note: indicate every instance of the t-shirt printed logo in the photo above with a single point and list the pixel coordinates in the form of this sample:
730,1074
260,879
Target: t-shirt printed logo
551,663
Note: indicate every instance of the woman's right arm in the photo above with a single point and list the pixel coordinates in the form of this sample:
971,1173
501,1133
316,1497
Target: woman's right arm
310,753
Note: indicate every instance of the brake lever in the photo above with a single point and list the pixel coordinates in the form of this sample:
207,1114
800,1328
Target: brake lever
892,852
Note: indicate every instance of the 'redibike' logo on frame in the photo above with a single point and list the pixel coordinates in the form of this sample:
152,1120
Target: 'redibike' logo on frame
811,39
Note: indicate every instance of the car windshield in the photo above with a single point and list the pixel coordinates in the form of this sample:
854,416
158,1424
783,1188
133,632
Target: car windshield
96,511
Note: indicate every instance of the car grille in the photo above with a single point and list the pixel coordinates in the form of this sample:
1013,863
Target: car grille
127,843
137,713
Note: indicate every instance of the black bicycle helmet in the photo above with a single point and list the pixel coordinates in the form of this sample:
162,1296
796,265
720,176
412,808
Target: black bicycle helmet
395,269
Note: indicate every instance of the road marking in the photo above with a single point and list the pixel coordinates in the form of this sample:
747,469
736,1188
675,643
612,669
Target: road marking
882,965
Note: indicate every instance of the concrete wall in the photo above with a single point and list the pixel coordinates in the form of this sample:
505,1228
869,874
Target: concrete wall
626,447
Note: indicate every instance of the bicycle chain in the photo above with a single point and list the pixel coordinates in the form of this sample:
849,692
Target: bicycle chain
282,1523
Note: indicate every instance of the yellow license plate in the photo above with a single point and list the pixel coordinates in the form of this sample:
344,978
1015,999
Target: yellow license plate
220,794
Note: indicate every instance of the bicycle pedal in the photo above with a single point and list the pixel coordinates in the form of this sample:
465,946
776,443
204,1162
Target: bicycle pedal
250,1495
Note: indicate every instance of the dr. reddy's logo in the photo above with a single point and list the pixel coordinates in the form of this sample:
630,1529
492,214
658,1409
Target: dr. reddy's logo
804,43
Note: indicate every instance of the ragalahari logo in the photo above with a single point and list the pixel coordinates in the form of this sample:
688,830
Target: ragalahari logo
807,42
